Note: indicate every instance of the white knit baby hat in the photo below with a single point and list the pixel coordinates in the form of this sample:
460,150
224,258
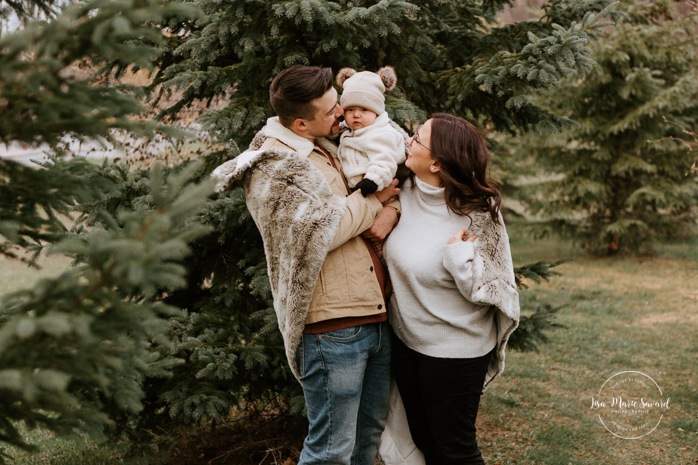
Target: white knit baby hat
365,89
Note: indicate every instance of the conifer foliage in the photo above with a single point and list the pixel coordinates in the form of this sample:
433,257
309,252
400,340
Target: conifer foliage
221,347
449,56
43,96
622,179
75,350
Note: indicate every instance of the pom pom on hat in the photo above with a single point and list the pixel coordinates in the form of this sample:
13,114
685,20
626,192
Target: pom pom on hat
365,89
344,74
389,77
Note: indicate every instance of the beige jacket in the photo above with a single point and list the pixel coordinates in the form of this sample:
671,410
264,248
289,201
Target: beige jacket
347,286
317,265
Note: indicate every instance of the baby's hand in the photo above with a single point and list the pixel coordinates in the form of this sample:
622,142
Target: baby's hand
366,186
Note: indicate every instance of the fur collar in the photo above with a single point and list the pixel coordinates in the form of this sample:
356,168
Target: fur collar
274,129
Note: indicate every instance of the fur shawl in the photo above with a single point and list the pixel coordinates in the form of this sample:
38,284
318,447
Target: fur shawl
289,199
495,283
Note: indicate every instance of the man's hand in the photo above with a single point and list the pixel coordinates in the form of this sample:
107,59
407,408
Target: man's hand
384,223
385,195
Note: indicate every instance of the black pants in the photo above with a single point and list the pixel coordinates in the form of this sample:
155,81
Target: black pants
441,397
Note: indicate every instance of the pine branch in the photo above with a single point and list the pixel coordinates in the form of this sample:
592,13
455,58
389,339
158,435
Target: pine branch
34,202
42,95
25,9
99,325
537,272
544,60
533,328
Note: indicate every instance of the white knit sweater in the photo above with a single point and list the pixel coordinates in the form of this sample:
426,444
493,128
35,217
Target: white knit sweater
434,308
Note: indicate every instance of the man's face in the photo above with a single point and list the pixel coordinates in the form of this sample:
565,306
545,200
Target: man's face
326,120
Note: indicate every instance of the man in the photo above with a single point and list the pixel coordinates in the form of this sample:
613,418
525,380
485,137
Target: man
327,280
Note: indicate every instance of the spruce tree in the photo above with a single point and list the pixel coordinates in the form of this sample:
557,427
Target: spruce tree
622,178
449,56
75,350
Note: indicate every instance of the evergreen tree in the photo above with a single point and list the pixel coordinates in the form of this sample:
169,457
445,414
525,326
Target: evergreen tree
75,350
42,95
622,179
449,56
44,98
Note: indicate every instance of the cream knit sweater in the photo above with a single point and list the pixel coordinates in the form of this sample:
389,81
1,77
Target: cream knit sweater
451,301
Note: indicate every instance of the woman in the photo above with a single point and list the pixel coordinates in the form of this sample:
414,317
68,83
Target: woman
454,302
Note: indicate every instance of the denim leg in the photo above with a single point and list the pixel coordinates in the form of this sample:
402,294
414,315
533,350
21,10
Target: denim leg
345,394
375,399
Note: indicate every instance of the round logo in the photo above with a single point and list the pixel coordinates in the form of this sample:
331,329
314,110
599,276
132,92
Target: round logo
630,405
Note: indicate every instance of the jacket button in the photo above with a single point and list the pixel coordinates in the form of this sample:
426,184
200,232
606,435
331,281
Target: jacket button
380,306
371,268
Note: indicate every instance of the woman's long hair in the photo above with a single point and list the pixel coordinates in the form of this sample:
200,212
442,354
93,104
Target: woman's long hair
462,152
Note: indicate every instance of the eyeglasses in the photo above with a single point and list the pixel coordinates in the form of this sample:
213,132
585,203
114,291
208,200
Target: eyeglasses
416,138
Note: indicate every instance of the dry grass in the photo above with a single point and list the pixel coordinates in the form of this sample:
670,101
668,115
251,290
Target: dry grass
16,275
621,314
254,439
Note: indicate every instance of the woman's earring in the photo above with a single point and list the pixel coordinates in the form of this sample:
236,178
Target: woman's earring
433,168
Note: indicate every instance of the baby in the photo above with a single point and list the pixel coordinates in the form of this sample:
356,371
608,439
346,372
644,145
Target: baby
371,148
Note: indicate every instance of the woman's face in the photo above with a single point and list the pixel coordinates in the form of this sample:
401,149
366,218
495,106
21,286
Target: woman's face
420,160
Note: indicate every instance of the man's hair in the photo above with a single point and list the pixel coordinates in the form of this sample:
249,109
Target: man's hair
293,90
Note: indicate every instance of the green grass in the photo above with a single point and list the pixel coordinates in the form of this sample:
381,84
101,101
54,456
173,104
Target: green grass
78,450
620,314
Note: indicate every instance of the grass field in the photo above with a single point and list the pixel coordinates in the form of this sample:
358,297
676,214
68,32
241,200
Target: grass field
622,314
629,314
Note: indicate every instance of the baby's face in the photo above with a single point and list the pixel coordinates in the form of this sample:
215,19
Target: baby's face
358,117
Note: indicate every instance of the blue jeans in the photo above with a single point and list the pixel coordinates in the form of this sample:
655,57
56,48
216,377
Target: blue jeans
345,376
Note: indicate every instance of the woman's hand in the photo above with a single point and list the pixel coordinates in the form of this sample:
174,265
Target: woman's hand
461,236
